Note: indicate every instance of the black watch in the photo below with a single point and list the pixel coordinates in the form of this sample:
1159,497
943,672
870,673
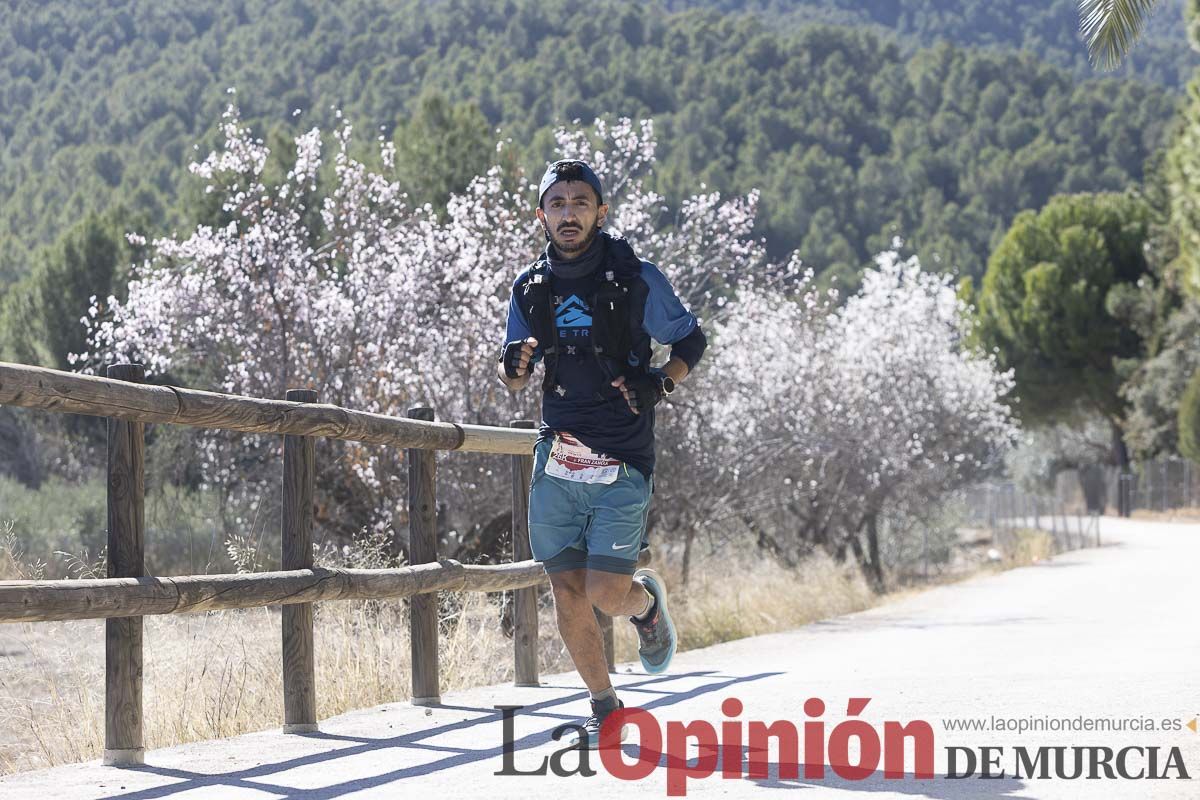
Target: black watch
665,382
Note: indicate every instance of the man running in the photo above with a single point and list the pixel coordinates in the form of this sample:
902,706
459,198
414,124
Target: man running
587,309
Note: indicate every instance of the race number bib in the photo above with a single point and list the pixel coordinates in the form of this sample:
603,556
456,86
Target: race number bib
572,460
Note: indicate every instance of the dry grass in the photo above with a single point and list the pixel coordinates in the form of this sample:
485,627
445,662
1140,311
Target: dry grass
218,674
14,566
1027,546
735,594
1172,515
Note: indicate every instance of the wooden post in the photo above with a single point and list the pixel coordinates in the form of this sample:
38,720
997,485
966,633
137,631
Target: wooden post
525,613
126,559
299,672
422,549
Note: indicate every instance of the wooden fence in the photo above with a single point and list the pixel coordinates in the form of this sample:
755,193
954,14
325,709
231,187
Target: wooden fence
128,594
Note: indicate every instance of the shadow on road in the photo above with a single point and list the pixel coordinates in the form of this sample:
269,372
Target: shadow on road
937,788
258,777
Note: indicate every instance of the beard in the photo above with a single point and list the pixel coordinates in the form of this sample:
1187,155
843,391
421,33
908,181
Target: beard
576,248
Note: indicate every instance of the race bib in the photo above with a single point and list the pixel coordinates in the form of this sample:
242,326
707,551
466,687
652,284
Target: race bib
572,460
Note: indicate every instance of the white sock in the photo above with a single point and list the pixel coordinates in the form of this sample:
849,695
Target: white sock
649,605
609,694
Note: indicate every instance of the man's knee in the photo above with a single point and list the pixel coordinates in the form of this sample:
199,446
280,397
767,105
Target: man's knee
569,586
607,590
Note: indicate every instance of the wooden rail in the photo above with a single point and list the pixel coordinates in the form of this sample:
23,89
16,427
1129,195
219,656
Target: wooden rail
54,390
127,594
112,598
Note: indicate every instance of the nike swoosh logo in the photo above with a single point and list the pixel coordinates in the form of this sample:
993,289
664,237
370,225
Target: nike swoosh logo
619,546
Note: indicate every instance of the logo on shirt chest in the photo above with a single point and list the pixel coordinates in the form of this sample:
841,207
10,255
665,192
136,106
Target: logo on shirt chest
573,317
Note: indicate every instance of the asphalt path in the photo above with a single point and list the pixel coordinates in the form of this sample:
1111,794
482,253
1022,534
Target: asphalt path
1092,649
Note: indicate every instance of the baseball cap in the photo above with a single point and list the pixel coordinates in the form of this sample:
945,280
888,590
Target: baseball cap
569,169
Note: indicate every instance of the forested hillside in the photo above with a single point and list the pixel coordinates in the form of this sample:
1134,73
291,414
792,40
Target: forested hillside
1047,28
852,140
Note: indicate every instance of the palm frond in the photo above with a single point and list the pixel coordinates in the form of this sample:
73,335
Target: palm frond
1111,27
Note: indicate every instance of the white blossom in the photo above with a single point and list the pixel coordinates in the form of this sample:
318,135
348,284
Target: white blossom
380,307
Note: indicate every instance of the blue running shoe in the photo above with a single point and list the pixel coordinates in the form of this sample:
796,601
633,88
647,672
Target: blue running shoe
656,635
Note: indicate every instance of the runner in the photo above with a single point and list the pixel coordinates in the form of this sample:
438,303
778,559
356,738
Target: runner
587,309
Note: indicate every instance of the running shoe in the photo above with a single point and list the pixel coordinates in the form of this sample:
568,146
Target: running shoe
656,635
591,726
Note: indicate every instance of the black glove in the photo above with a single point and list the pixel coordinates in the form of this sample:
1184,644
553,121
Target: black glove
511,357
647,389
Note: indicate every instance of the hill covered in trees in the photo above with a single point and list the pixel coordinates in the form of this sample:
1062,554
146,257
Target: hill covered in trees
852,137
1047,28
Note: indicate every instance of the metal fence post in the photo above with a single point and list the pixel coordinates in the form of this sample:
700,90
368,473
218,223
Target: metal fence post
1166,464
126,559
1149,470
422,549
299,663
525,612
991,506
1066,527
1187,483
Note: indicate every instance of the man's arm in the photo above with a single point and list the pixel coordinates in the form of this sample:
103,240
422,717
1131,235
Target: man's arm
685,354
523,366
522,357
677,368
667,320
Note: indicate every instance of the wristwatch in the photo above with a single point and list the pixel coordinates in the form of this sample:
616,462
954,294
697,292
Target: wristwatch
665,382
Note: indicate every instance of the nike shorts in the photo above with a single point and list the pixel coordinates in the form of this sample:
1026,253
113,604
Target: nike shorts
596,526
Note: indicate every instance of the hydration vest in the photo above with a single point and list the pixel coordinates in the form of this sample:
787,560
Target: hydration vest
617,302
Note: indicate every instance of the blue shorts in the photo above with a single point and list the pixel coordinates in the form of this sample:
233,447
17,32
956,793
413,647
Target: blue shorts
596,526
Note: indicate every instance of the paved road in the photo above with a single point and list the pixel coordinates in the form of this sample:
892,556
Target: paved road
1105,633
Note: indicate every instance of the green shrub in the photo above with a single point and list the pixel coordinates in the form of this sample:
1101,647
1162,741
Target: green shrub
63,526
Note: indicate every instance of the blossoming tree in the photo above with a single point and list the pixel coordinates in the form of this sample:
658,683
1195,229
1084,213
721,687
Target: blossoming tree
329,279
376,305
821,417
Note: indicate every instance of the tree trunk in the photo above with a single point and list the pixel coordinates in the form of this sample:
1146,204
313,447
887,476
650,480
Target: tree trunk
874,566
1091,481
687,552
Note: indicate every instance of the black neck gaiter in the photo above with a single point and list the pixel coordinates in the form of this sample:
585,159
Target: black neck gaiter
584,264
